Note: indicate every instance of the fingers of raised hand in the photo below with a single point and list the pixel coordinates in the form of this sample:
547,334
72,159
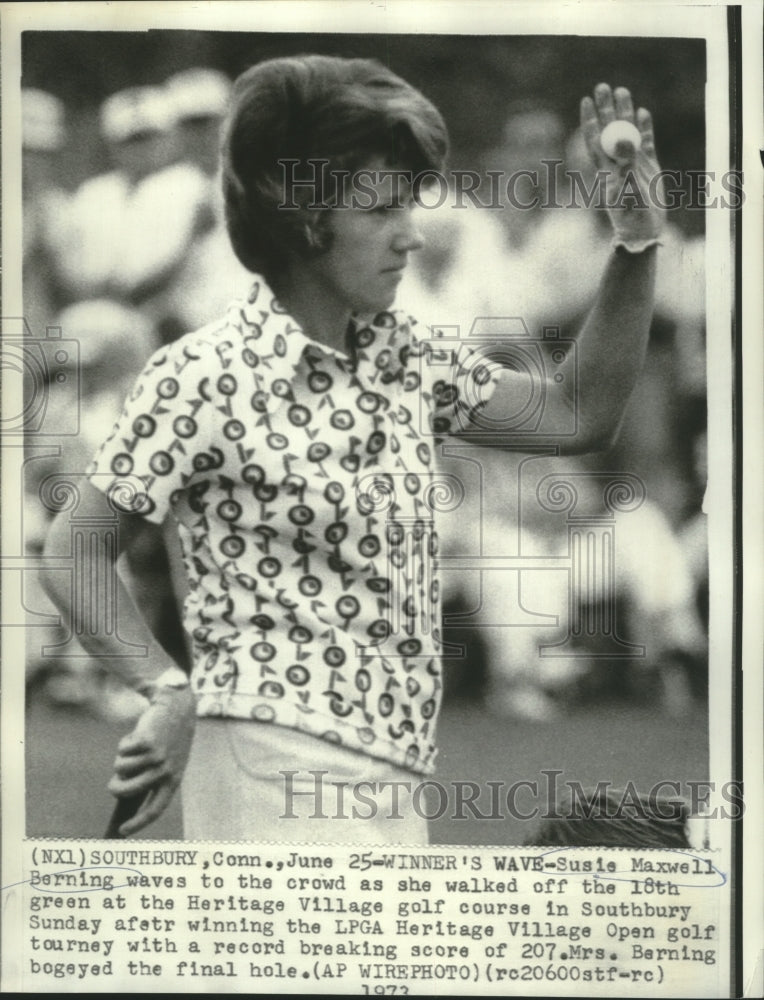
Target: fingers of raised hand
624,109
590,129
603,101
645,126
608,106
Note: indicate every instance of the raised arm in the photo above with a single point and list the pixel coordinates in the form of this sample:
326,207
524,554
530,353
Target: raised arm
612,343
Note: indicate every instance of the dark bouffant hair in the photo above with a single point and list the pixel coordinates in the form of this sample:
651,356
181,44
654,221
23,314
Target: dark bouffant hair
615,817
345,111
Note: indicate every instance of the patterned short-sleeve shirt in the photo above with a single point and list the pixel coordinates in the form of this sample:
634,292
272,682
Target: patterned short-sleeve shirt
305,488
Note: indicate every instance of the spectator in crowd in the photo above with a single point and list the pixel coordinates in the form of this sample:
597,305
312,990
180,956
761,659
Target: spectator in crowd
693,537
130,234
129,229
44,135
199,99
113,342
525,252
513,613
210,274
672,389
548,251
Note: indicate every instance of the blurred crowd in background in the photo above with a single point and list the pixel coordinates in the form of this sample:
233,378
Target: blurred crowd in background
125,249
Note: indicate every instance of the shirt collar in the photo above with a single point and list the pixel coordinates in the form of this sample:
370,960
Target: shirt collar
279,341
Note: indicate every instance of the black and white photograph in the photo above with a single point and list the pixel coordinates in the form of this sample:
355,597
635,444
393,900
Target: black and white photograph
374,396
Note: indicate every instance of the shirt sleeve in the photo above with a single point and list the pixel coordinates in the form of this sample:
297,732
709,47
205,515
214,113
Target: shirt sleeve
458,379
161,443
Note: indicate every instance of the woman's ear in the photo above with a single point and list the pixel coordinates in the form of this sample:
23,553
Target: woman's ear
317,231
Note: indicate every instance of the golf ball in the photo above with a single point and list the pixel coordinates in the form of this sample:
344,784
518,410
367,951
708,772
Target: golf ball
620,140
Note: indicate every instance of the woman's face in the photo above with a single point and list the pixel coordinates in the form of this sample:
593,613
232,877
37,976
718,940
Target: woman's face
372,235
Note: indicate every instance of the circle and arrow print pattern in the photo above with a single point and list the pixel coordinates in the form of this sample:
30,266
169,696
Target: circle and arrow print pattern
304,487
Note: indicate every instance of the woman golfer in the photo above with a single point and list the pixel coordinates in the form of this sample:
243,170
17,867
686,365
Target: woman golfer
295,444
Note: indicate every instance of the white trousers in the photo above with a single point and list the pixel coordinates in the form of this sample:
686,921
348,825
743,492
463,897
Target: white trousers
250,781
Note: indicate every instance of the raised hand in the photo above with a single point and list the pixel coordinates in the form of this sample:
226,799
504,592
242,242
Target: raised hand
633,184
